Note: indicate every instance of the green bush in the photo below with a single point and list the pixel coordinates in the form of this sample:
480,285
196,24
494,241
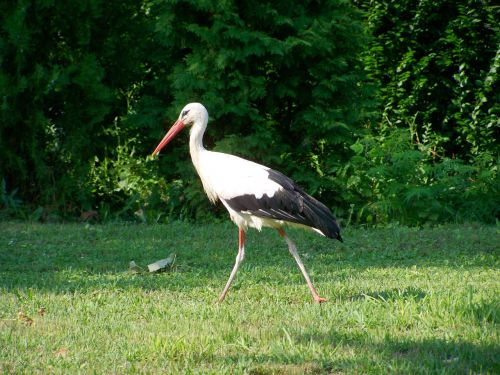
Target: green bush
66,69
437,63
394,177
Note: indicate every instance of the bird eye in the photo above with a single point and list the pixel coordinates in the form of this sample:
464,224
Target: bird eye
184,113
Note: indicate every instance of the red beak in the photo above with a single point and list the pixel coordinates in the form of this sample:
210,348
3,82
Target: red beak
176,128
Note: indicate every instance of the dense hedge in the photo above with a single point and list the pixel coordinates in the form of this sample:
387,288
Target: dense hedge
434,154
67,69
350,99
437,64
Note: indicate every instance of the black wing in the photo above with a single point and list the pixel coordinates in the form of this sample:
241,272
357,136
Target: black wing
290,204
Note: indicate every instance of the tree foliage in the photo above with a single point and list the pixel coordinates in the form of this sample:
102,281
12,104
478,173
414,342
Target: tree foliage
433,156
393,177
348,98
437,64
65,70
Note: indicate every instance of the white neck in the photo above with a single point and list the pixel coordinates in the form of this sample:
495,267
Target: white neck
196,148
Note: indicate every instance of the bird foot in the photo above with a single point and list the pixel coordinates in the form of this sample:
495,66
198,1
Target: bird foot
319,299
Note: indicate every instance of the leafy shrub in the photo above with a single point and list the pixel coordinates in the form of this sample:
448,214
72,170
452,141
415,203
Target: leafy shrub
437,63
125,183
64,75
394,177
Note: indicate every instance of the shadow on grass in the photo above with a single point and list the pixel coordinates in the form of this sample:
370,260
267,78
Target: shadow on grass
484,311
415,294
360,354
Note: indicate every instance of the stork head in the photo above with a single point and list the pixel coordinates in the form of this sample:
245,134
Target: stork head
191,114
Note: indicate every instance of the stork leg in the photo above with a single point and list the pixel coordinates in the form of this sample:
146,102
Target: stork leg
239,259
293,250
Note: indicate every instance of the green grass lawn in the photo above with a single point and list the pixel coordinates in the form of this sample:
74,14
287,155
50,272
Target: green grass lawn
400,301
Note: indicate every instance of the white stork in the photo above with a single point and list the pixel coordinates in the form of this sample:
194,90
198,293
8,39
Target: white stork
255,196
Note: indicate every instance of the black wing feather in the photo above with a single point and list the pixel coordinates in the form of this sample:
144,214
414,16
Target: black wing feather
290,204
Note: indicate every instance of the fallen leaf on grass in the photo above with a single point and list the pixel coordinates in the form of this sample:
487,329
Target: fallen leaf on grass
162,264
62,352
